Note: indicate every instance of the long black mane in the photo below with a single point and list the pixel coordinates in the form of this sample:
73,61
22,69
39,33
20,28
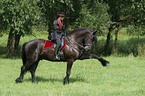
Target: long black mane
80,31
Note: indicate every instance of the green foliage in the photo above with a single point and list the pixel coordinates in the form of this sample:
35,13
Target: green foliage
136,30
137,12
128,12
50,8
18,15
21,15
95,17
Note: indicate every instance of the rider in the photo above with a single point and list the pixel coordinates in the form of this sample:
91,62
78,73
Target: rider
59,32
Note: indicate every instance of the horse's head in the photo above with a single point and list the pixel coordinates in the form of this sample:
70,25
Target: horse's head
89,39
84,36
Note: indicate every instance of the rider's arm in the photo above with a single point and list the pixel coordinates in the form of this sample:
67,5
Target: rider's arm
65,30
56,25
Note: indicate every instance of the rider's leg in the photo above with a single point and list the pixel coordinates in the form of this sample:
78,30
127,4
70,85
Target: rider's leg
58,45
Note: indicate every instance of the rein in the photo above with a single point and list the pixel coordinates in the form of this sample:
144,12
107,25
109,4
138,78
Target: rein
69,41
76,42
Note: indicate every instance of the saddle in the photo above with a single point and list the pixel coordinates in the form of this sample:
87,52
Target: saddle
50,44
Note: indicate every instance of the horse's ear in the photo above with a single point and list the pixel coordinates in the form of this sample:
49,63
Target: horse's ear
94,32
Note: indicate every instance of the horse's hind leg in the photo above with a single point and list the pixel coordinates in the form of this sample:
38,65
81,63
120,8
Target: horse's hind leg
20,79
32,70
24,68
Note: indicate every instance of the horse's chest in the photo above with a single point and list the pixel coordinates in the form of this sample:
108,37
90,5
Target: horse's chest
71,53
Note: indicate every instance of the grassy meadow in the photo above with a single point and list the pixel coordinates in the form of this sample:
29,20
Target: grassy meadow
125,76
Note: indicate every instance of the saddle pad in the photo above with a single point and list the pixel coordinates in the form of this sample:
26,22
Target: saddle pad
64,44
49,44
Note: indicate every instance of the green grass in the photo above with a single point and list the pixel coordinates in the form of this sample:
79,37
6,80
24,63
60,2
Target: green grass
125,77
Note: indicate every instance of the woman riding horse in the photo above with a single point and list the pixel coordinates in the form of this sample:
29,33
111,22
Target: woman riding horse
59,32
79,41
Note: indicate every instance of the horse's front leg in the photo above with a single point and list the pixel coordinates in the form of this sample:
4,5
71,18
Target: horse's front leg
94,56
68,71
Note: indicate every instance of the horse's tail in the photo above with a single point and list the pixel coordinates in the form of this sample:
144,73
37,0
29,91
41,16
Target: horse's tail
24,54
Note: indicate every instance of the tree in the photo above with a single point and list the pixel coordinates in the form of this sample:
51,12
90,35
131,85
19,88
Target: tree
17,16
50,8
124,13
94,16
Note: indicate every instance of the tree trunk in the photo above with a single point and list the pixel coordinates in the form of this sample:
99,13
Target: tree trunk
50,28
111,28
106,49
116,41
116,38
13,43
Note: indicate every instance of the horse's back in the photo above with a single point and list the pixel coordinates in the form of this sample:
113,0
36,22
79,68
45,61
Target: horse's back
32,49
34,43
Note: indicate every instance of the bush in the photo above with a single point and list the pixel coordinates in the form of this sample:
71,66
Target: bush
133,46
136,30
127,45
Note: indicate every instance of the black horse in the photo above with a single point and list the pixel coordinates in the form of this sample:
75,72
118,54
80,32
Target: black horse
79,41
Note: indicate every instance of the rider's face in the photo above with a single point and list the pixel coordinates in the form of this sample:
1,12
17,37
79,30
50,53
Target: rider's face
61,18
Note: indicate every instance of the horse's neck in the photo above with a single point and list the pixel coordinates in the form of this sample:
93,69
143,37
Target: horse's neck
73,38
75,42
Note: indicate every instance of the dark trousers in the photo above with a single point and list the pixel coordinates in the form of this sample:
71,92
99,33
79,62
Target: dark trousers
58,46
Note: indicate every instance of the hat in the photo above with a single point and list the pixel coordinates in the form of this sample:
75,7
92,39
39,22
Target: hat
61,14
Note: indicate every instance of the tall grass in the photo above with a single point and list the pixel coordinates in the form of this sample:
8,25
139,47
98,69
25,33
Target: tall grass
127,45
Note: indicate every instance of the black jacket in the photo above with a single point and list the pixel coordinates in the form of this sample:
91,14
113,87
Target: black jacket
58,33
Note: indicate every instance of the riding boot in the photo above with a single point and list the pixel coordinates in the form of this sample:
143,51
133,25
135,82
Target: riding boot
56,52
56,56
58,44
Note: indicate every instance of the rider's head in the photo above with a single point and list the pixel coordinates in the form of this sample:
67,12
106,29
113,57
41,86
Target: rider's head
61,15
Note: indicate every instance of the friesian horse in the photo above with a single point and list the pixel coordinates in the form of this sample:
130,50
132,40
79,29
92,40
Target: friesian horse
78,42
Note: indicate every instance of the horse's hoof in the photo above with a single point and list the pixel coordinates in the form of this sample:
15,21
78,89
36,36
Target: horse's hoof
107,64
18,80
66,81
35,82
